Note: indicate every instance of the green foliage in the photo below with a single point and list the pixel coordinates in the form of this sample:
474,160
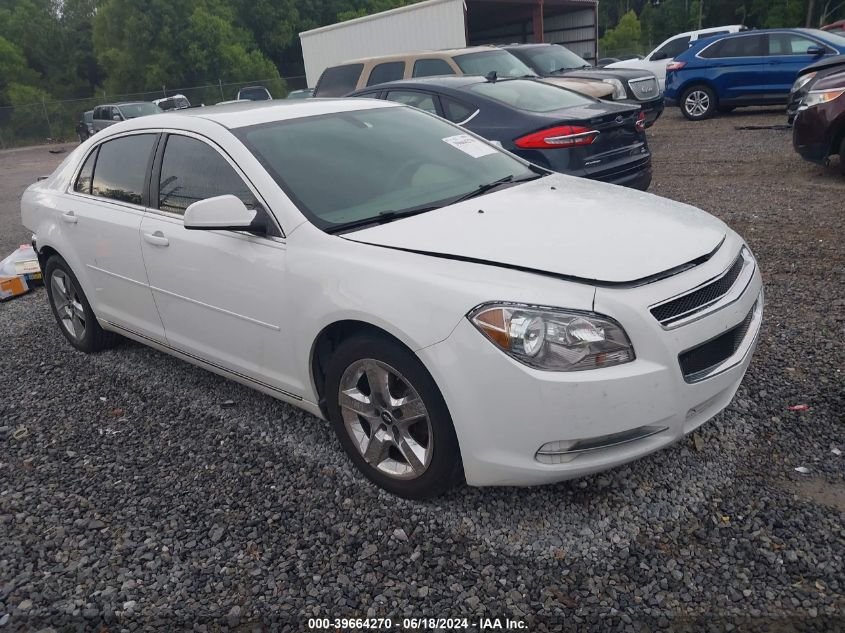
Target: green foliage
624,37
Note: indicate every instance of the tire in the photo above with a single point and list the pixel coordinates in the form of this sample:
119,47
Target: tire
698,102
73,313
414,457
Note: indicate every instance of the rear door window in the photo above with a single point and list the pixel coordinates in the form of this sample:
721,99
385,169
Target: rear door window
83,180
743,46
455,111
122,168
415,98
432,68
191,170
388,71
338,81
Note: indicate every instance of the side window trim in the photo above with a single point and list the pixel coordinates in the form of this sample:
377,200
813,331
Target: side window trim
474,110
155,175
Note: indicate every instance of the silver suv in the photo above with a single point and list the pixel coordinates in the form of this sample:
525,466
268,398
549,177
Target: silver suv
106,115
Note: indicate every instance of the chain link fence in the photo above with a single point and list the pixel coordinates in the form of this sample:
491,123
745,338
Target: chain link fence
56,121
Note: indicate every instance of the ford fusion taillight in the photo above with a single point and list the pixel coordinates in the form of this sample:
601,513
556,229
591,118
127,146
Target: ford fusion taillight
561,136
640,124
675,66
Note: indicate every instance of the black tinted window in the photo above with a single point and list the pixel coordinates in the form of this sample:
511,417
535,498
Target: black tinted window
389,71
455,111
744,46
673,48
122,167
191,170
414,98
338,81
432,68
83,180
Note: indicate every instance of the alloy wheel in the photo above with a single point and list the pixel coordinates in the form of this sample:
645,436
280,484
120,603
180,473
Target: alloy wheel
386,419
68,305
697,103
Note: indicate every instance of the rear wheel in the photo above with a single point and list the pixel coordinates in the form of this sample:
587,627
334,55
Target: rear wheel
71,308
391,419
698,102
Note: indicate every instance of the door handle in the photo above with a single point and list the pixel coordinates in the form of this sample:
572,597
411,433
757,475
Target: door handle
156,238
70,217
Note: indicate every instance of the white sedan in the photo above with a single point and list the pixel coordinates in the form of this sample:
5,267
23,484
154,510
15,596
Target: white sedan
454,311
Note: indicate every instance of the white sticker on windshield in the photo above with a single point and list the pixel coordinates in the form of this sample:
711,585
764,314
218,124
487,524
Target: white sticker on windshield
469,145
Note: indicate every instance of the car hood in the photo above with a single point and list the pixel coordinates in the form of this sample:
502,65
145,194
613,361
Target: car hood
623,74
589,87
561,225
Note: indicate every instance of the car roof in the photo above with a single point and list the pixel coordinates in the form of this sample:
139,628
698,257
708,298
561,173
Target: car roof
246,113
456,82
443,52
707,30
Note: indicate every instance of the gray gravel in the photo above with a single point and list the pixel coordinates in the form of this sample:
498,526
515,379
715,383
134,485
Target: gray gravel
134,497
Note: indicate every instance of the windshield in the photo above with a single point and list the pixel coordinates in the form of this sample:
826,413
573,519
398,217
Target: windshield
134,110
351,166
505,64
549,59
531,95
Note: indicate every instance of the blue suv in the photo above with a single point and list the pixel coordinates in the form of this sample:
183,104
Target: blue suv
749,68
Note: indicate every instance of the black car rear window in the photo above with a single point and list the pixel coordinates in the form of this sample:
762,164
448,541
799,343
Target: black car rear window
532,96
338,81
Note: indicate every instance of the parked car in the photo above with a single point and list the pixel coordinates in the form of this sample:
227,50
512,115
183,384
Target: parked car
173,102
630,85
657,60
337,81
751,68
253,93
819,129
837,26
452,309
106,115
549,126
85,126
807,76
305,93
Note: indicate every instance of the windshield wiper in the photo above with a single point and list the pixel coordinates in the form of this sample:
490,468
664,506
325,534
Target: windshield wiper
383,217
482,189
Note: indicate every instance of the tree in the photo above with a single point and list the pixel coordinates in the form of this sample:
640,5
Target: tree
624,37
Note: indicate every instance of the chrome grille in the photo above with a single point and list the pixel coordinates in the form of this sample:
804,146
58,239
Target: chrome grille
645,88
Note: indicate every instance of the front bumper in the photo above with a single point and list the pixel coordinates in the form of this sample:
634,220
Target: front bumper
504,412
652,109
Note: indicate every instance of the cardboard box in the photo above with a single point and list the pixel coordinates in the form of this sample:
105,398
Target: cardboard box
12,287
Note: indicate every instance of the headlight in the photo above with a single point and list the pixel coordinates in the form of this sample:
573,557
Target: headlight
802,81
817,97
553,339
618,88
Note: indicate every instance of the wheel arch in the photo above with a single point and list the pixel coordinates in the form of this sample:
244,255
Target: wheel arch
329,339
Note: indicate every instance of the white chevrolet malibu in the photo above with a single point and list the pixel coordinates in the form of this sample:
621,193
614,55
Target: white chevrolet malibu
452,310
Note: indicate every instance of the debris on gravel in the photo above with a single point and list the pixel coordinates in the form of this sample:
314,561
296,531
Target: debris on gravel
133,497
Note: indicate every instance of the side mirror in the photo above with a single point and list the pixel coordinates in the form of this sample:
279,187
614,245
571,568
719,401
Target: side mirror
224,213
815,51
659,55
117,117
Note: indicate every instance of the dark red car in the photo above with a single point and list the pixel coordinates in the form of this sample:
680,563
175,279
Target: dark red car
819,129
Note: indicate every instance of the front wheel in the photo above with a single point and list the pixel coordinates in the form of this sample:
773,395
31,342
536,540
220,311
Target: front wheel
391,418
698,102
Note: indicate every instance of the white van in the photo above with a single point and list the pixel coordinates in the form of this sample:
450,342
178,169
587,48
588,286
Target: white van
657,60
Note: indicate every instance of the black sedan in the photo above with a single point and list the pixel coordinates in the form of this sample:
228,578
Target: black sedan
631,85
550,126
807,77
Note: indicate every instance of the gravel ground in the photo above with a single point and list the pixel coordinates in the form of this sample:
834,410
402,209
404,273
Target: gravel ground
133,498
